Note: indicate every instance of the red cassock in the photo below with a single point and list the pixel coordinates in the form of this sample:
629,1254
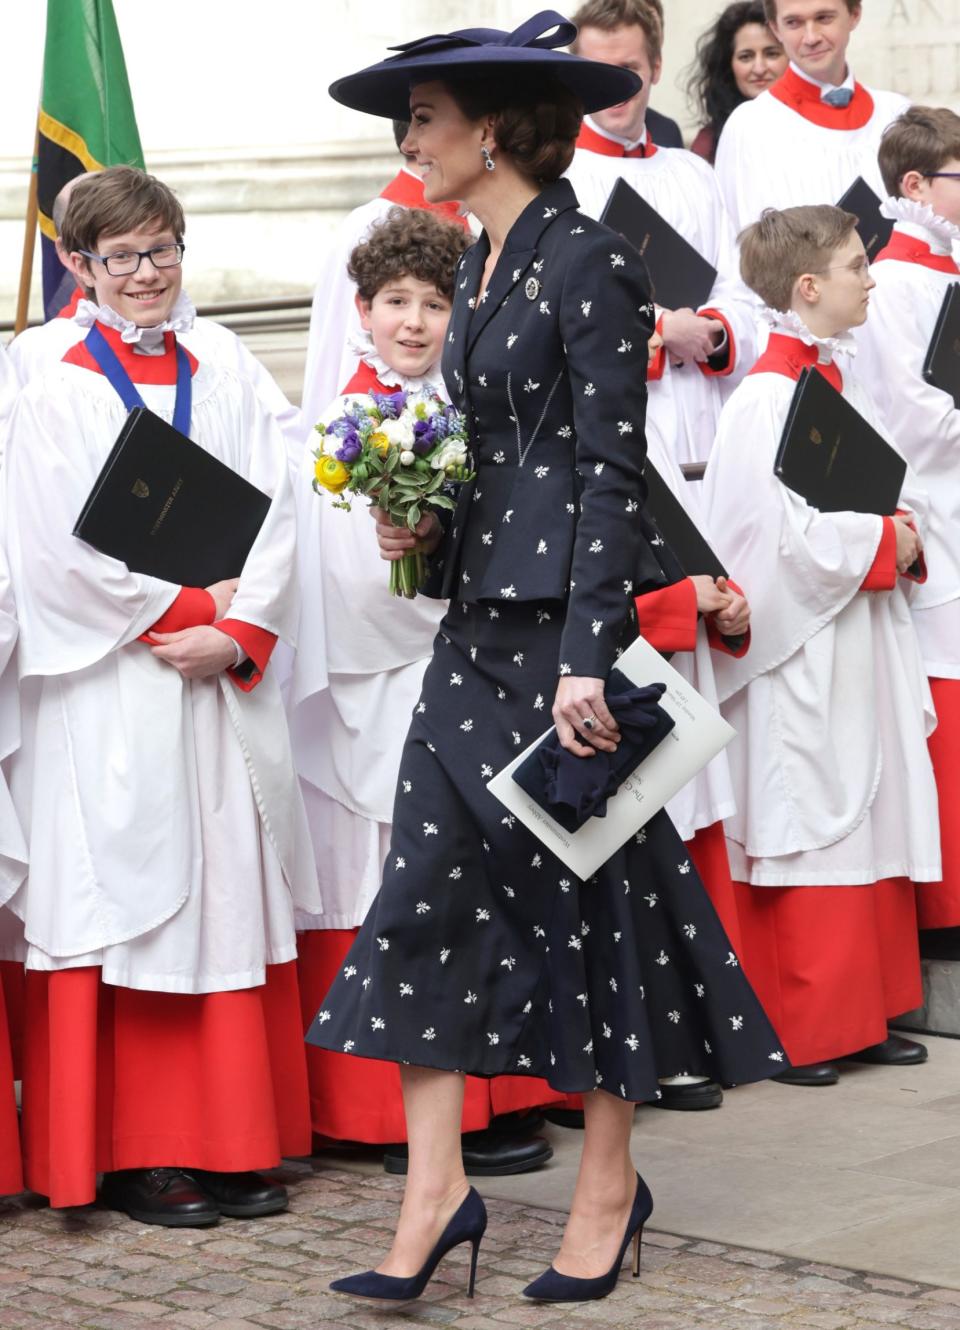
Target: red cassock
121,1078
938,903
11,1001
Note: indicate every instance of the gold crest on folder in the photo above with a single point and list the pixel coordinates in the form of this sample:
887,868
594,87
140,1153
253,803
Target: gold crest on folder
140,489
816,436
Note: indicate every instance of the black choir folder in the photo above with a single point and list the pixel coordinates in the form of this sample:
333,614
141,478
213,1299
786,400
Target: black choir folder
872,227
941,368
832,457
676,526
169,509
679,277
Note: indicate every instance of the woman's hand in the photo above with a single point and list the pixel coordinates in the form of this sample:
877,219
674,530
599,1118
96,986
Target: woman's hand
734,619
197,652
223,594
396,541
579,700
909,544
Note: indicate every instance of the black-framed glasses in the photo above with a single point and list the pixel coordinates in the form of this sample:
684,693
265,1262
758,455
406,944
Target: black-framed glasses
126,262
941,175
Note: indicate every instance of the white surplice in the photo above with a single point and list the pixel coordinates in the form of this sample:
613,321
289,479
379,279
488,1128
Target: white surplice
167,836
684,404
38,349
831,773
923,419
771,156
361,654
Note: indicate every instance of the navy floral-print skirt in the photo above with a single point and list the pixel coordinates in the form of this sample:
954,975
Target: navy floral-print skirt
482,953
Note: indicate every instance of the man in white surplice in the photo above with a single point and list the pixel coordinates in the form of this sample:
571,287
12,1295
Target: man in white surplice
169,845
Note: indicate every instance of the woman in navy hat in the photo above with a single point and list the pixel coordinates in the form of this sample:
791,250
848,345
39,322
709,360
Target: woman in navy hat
482,953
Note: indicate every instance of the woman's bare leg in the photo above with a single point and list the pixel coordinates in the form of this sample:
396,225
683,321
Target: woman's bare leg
436,1182
606,1186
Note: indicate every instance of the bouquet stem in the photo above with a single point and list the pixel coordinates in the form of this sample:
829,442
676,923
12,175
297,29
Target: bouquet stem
407,575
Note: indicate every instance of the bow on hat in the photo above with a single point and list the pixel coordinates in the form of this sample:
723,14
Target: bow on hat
535,32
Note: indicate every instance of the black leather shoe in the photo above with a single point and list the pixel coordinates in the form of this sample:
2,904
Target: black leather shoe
485,1157
895,1051
241,1195
813,1073
565,1117
700,1094
158,1196
524,1123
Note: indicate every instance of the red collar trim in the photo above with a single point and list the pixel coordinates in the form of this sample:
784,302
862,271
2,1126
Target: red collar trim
804,98
909,249
159,370
365,381
407,190
790,357
591,141
70,308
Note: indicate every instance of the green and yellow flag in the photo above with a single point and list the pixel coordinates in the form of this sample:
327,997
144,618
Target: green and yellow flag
86,118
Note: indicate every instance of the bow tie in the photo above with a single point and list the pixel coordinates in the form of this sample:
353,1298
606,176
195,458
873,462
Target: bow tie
838,97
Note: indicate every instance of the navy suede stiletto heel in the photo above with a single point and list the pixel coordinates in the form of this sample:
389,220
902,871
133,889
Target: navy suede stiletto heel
467,1224
554,1287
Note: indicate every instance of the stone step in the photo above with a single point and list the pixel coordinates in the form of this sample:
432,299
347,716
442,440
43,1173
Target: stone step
940,1013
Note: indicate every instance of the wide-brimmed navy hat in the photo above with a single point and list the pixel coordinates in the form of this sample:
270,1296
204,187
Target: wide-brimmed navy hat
384,89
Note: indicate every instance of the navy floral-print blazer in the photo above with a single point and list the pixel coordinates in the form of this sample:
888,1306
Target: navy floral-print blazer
549,366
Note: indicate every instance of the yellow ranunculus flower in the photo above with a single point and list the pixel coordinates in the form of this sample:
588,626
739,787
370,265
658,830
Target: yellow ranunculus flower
331,474
380,442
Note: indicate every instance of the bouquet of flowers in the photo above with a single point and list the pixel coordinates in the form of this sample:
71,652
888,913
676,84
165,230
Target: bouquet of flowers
402,451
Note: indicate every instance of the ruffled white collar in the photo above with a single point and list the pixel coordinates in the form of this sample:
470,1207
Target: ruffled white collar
789,324
920,221
146,341
360,344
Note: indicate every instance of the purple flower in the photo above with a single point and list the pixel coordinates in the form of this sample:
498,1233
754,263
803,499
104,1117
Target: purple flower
390,404
424,437
350,448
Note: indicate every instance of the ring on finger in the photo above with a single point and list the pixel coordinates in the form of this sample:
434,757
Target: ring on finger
590,722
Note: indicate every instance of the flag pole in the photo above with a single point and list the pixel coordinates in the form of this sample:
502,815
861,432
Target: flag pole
29,245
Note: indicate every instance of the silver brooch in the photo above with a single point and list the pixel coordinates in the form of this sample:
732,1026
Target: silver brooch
532,288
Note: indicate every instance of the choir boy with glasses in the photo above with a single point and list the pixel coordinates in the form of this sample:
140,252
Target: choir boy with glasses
920,163
42,346
836,802
809,136
168,843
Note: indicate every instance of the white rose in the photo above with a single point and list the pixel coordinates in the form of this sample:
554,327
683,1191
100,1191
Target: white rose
399,432
407,457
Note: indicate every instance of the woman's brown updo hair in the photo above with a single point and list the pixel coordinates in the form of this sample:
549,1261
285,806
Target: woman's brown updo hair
536,119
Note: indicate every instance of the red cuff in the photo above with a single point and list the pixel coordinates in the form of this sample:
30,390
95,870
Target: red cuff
192,607
725,361
667,618
730,646
258,643
658,364
882,575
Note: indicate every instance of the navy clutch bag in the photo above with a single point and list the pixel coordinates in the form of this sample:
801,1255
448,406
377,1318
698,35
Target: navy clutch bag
574,789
